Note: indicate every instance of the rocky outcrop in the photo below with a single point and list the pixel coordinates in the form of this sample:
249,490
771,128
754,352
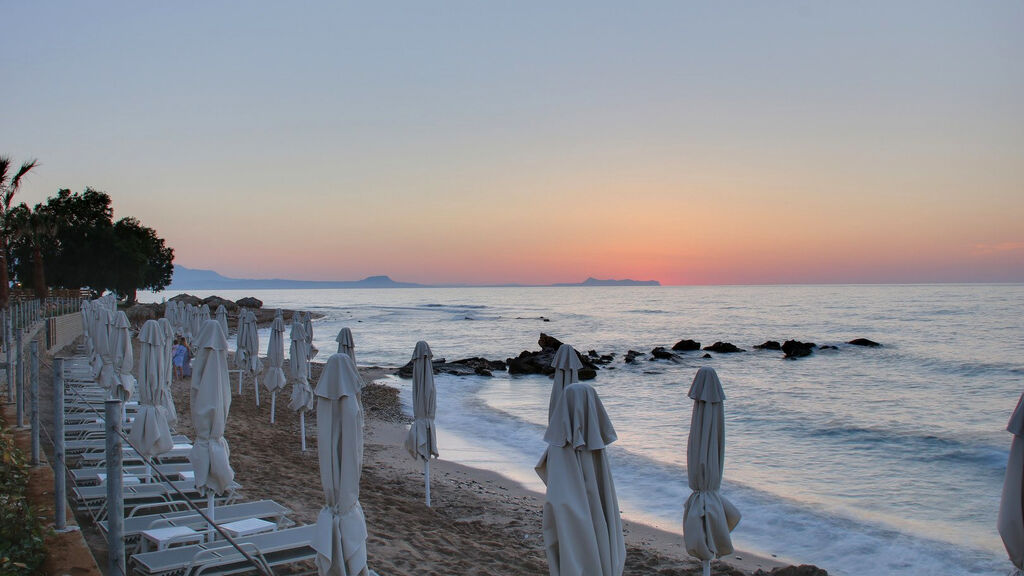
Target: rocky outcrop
139,313
707,356
250,302
769,345
660,353
797,349
632,355
724,348
466,367
540,362
801,570
864,342
828,347
686,346
214,301
600,358
188,299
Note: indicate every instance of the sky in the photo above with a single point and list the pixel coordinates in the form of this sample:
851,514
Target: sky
535,142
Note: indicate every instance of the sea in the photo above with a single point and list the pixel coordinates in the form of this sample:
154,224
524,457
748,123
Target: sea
863,461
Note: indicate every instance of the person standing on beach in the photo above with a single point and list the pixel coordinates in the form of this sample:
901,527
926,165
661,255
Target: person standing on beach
178,356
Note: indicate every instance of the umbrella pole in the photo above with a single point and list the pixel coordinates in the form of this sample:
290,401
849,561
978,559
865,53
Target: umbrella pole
302,423
239,382
426,477
209,512
273,405
707,567
256,386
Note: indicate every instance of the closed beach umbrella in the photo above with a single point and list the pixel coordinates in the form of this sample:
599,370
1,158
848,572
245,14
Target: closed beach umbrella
582,526
275,379
240,343
151,434
123,357
204,315
105,349
307,325
222,318
251,343
101,343
708,517
567,371
421,441
340,540
302,395
1011,507
210,400
346,344
165,398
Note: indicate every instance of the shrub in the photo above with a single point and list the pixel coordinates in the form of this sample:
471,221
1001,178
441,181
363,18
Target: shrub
21,533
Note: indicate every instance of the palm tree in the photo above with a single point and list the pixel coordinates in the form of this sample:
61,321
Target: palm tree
34,227
8,188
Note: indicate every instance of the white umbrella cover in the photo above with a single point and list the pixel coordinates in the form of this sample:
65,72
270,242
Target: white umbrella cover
347,344
123,356
210,401
421,441
708,517
222,318
340,539
302,394
582,526
567,371
167,372
1011,506
274,379
150,433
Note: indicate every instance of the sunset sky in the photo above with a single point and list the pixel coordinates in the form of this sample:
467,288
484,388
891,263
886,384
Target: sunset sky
536,142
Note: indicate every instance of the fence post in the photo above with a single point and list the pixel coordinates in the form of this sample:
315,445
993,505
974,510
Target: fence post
59,472
115,497
8,336
19,379
33,350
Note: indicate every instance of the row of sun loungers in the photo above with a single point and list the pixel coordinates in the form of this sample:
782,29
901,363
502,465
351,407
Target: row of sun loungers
164,535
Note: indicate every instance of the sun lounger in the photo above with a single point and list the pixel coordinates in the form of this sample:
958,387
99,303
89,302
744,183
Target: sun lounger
278,548
129,456
100,445
87,476
94,498
261,509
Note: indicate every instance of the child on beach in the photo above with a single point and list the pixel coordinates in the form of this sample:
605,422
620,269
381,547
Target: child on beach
178,355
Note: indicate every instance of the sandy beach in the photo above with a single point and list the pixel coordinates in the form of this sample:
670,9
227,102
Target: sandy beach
480,523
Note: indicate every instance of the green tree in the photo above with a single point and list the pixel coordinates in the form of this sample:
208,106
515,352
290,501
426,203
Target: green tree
9,186
141,260
31,230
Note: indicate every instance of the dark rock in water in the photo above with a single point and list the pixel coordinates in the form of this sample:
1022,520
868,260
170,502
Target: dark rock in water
214,301
724,348
686,346
250,302
802,570
769,345
706,356
587,373
600,358
827,347
540,362
661,353
797,349
864,342
548,342
188,299
464,367
632,355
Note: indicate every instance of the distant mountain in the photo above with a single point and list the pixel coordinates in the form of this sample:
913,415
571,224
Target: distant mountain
626,282
194,279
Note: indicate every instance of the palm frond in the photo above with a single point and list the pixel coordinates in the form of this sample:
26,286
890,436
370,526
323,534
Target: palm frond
5,165
25,169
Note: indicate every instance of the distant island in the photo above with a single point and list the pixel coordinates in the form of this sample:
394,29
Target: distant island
625,282
195,279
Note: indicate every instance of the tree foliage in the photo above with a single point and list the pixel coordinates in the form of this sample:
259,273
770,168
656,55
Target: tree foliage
9,186
88,248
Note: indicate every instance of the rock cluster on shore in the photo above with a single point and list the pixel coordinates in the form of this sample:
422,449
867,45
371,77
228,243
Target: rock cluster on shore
139,313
